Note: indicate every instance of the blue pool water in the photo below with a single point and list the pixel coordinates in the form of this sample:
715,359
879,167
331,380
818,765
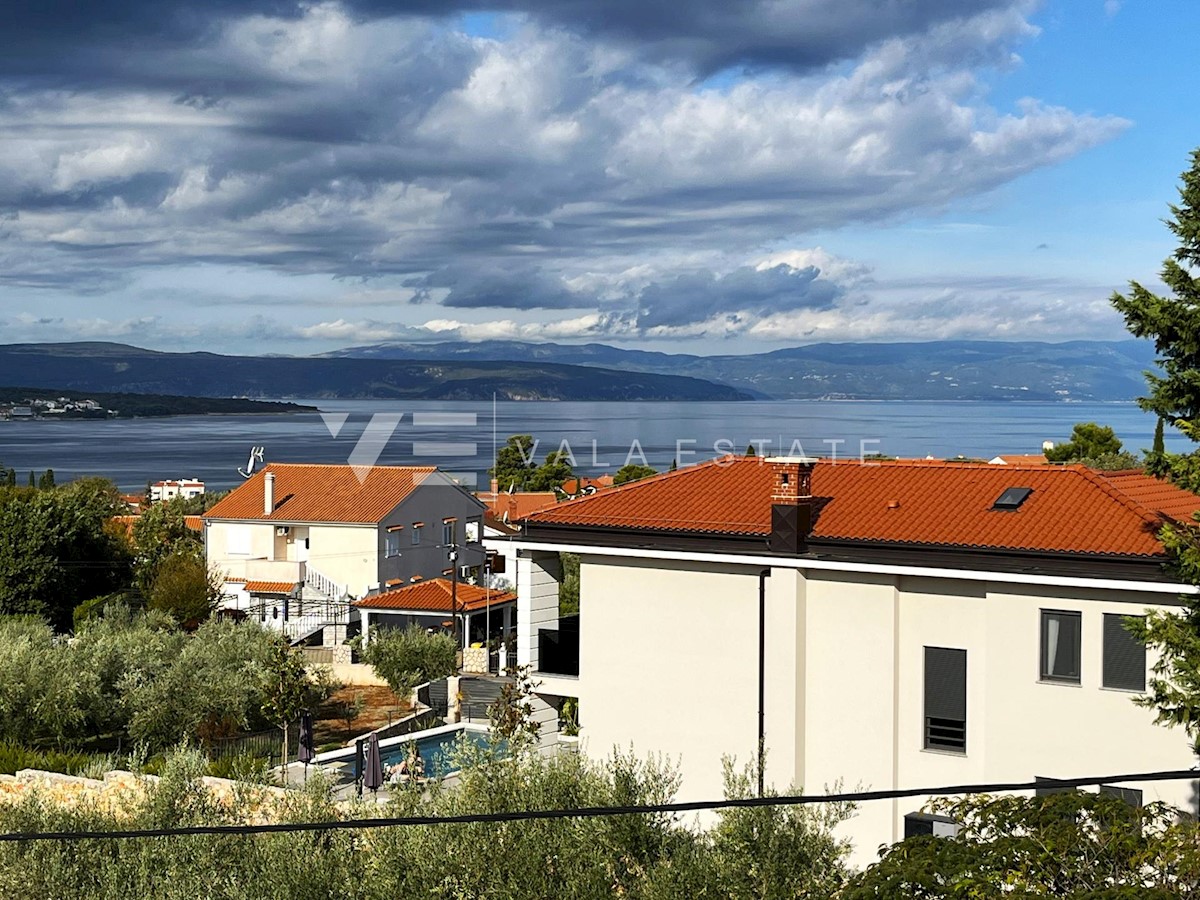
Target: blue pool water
434,750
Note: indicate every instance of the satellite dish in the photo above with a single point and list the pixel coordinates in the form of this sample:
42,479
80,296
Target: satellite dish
256,455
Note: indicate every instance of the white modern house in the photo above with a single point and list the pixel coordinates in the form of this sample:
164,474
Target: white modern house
891,625
298,543
188,488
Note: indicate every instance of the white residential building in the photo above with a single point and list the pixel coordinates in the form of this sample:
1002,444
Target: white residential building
297,543
895,625
187,488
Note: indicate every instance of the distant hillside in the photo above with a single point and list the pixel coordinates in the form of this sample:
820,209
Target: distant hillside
934,370
103,367
133,406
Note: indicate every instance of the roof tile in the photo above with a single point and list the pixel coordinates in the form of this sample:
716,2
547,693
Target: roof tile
435,595
324,493
1072,509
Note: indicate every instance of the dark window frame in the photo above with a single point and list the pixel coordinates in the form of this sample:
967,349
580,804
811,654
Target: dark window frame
416,535
1044,663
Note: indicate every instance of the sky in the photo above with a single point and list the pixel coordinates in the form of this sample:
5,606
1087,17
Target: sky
701,176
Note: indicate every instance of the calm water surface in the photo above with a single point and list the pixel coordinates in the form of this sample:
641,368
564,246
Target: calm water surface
213,447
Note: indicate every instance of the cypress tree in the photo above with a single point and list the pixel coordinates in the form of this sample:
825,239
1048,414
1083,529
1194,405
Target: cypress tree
1173,323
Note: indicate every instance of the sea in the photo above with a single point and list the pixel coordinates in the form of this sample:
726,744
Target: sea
461,437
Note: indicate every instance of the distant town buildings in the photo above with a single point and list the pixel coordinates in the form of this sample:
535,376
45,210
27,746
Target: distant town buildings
187,488
29,408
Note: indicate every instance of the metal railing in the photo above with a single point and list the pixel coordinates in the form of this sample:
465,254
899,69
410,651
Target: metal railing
264,744
323,584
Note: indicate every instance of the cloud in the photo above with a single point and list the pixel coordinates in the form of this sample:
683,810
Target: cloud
578,160
700,297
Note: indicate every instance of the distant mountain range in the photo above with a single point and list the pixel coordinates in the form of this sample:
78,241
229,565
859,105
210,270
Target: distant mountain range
106,367
933,370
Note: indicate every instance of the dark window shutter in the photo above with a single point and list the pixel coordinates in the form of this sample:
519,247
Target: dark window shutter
945,699
1124,656
945,683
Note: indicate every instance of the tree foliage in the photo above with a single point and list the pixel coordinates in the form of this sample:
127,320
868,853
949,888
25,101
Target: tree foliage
184,587
1072,844
568,587
57,549
642,857
160,533
633,472
131,675
1173,323
409,657
285,688
1092,443
516,468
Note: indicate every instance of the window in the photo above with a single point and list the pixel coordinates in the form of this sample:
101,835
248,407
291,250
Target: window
237,541
392,544
472,531
1012,498
449,533
945,699
416,533
1060,646
1124,656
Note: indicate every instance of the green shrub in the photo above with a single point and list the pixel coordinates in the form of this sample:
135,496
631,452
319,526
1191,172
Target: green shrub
405,659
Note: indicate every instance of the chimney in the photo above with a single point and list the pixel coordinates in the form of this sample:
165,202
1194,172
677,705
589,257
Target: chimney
495,487
791,503
268,493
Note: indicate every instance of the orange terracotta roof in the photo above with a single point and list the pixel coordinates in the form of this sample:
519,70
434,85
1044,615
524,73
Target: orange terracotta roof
515,507
575,485
1020,459
1072,509
270,587
323,493
196,523
434,595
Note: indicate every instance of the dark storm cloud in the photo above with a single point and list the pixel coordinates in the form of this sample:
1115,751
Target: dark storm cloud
109,39
492,286
700,296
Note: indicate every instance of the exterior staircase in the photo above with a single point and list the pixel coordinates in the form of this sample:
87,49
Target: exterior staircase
323,606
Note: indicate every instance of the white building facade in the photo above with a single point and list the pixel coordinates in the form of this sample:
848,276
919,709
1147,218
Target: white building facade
886,665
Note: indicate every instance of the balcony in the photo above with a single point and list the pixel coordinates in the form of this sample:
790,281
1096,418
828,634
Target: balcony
558,648
274,570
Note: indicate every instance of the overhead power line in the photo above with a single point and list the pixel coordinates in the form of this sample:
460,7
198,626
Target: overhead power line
591,812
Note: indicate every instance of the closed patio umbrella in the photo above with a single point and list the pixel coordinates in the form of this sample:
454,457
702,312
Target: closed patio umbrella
373,776
307,748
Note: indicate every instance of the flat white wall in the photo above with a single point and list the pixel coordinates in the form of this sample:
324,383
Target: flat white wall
346,553
668,664
349,554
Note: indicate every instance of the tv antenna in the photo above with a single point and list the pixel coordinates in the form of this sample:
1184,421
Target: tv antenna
256,455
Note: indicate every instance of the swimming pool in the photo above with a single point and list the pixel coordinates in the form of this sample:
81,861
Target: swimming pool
434,746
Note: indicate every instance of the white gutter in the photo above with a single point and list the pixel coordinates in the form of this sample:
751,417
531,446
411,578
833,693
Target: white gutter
1108,584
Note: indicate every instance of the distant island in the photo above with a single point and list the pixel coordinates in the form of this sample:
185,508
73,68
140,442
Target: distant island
87,369
27,404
